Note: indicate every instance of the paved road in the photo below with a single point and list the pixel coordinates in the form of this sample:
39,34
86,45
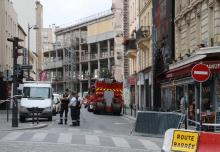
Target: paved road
97,133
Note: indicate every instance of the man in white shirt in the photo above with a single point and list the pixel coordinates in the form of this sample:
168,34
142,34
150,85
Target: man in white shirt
75,109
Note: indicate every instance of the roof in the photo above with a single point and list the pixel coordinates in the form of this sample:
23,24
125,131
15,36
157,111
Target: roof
37,84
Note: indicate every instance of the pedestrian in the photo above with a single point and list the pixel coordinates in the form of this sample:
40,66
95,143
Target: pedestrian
64,106
75,106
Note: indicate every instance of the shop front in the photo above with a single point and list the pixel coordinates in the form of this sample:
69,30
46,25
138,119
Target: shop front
180,92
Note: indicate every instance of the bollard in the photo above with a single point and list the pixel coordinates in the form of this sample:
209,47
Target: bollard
7,106
33,115
37,115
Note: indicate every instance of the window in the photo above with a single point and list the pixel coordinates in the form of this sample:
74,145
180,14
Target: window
36,92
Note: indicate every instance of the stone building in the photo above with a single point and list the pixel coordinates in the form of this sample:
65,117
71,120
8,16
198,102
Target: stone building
196,42
139,51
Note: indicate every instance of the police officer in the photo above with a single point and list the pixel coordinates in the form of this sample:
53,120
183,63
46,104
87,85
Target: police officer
75,106
64,106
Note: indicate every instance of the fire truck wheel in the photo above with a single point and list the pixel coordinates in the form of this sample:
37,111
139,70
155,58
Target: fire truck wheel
116,109
89,108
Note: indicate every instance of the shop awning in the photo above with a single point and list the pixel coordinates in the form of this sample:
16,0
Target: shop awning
186,69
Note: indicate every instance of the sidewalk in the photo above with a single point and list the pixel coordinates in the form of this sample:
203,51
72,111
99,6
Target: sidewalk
7,125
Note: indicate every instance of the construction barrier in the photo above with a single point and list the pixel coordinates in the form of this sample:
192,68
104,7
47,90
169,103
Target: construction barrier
177,140
156,123
209,142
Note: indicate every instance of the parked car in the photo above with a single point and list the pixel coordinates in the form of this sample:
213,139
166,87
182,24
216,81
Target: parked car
56,104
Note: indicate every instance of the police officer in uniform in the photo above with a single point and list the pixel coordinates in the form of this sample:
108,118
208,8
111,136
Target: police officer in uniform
75,106
64,106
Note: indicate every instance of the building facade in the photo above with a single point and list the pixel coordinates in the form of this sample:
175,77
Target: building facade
83,53
8,29
196,41
48,38
139,51
39,30
163,44
27,16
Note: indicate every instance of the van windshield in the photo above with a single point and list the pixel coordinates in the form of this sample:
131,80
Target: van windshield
36,92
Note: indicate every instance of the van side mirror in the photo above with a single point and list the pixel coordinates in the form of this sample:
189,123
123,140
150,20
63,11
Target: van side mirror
52,97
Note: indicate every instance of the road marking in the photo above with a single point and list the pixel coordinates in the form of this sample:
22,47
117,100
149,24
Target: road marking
65,138
92,140
120,123
39,137
120,142
74,129
98,131
149,145
12,136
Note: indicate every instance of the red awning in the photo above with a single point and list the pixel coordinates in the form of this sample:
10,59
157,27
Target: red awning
186,69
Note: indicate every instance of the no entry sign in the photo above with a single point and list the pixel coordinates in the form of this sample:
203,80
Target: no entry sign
200,72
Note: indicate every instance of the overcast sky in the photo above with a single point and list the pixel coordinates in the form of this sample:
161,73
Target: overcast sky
62,12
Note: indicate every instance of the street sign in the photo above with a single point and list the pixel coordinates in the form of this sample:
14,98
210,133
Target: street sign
184,141
200,72
26,67
7,75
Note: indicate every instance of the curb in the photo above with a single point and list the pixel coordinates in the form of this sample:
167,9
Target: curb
129,117
27,128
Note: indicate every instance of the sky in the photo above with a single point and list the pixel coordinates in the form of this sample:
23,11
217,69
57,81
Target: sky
63,12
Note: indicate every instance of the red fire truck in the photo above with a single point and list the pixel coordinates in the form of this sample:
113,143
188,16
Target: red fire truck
105,96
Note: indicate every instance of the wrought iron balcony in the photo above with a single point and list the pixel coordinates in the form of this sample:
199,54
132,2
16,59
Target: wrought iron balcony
143,33
130,44
131,48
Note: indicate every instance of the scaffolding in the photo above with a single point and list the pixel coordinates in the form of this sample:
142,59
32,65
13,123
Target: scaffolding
70,68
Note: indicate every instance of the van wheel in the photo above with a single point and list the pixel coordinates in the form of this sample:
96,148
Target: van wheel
50,118
22,119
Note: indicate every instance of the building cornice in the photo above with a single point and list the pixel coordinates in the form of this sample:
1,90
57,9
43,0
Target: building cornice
194,5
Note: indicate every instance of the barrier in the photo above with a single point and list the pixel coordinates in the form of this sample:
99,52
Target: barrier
209,142
177,140
151,122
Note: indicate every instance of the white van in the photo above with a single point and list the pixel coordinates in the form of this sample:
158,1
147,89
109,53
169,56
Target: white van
36,95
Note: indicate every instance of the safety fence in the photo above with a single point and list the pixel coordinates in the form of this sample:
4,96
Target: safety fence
156,123
177,140
5,114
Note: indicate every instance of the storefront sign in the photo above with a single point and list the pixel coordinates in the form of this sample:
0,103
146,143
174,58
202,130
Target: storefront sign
184,141
200,72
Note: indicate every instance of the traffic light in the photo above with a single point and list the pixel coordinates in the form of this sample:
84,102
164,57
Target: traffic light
20,74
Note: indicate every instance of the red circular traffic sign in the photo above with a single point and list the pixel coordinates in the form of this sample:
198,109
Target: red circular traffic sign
200,72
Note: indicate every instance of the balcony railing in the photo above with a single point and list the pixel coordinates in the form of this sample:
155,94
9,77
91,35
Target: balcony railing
104,55
52,64
94,56
143,32
85,57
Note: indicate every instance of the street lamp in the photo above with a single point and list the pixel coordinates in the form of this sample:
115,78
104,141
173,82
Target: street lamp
29,28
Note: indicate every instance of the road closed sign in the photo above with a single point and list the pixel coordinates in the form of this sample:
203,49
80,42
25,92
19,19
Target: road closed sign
200,72
184,141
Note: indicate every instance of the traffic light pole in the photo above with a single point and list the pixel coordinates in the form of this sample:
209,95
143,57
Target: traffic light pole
15,41
15,102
